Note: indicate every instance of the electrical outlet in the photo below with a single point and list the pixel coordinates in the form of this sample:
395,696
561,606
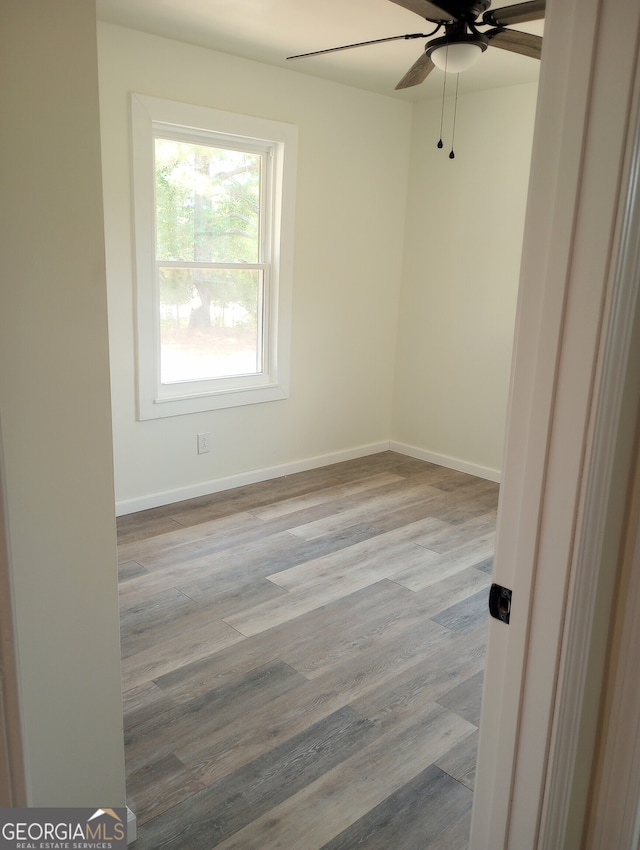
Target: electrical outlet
203,443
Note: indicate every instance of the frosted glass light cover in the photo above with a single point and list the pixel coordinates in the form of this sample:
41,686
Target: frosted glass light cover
454,58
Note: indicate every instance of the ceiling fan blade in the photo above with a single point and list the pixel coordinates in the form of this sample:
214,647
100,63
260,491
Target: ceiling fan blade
515,41
519,13
359,44
417,73
431,11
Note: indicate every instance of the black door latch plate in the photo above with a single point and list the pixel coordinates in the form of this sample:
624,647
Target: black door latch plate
500,602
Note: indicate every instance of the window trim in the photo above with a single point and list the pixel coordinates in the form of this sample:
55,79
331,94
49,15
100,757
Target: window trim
148,115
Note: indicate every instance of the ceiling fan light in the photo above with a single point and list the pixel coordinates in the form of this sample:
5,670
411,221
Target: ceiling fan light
457,56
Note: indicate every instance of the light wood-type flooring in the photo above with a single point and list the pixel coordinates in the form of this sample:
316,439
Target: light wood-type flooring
303,660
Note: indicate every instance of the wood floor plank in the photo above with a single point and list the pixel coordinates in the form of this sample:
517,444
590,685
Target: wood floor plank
460,761
437,675
193,543
215,670
315,571
220,570
455,837
366,610
219,541
259,731
204,579
469,486
177,619
410,818
161,615
398,633
169,726
466,698
486,565
466,615
435,503
329,637
338,494
456,481
158,786
168,655
372,655
369,671
132,528
243,593
323,809
142,697
257,787
336,576
457,498
448,564
277,554
372,509
251,498
180,543
404,465
191,512
452,536
450,590
130,569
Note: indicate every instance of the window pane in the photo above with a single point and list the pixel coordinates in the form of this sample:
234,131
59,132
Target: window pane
207,203
210,323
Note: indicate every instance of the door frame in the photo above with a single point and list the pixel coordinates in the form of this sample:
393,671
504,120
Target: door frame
605,521
12,770
571,403
615,803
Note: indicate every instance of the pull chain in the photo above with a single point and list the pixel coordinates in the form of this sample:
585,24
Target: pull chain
455,111
444,88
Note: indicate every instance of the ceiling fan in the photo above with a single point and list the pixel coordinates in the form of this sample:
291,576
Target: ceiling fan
462,42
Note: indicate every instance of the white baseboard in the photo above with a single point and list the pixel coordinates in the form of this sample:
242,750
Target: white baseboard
217,485
132,826
443,460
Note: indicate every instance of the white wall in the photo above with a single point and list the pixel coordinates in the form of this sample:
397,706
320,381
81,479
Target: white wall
55,405
351,199
465,220
400,334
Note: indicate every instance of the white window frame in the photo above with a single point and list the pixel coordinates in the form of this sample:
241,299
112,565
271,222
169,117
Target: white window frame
152,117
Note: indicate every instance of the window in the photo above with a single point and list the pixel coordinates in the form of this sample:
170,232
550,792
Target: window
213,213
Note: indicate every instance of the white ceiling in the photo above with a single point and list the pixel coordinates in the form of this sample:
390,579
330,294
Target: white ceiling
270,30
